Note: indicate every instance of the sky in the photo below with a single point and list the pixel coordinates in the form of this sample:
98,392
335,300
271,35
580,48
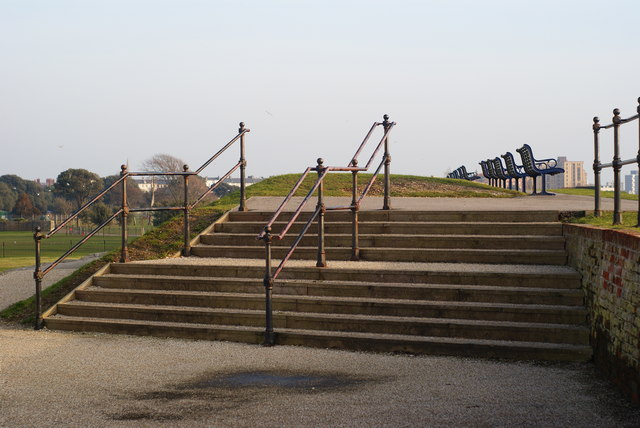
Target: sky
95,84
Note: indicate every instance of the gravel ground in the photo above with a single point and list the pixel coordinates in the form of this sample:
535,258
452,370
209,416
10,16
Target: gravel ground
18,284
78,380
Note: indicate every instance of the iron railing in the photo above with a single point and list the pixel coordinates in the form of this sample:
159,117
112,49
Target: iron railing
124,211
319,213
616,163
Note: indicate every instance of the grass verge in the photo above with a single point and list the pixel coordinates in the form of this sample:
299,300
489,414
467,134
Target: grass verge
591,192
629,221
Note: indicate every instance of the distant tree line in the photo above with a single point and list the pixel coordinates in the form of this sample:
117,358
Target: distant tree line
27,199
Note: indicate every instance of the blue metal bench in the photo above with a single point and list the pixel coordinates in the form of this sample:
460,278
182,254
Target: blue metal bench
515,171
538,167
501,172
487,174
462,174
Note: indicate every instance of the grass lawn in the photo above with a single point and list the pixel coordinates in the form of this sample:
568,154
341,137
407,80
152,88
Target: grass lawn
591,192
17,249
629,221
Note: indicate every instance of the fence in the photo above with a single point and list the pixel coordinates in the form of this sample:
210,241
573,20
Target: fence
616,164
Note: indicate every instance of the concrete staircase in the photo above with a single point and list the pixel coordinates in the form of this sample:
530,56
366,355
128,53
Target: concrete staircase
509,294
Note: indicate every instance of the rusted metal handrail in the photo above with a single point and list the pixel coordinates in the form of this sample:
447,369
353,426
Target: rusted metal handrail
267,236
616,164
125,210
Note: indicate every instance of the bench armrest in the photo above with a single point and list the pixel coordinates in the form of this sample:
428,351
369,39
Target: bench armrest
546,163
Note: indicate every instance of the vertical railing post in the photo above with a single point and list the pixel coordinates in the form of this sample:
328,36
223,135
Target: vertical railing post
243,166
37,275
186,249
617,217
322,258
596,166
387,165
638,162
355,250
269,336
124,253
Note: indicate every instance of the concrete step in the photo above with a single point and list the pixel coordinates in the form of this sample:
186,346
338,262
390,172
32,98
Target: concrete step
405,228
472,274
343,305
523,242
436,292
399,215
476,348
531,332
432,255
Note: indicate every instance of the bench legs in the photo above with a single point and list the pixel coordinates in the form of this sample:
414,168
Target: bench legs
544,187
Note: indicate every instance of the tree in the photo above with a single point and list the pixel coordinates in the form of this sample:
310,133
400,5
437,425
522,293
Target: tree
135,196
77,186
162,162
99,213
24,207
8,197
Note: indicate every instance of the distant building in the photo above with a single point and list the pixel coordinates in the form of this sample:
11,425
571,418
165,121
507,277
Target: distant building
148,184
574,175
631,183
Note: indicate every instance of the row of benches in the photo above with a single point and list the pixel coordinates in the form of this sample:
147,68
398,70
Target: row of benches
498,175
462,174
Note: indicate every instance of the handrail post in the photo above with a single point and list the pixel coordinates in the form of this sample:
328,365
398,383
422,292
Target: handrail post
37,275
638,162
322,258
355,207
269,336
596,166
124,253
387,165
243,166
617,217
186,249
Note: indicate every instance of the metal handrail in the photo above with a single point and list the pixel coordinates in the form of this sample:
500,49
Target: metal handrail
319,213
616,164
124,211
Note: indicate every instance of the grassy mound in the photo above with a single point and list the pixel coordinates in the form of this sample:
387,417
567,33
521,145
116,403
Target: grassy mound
167,238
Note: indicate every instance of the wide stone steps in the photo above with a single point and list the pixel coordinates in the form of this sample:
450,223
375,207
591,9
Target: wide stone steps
462,293
411,228
483,284
485,242
512,276
332,339
343,305
413,216
433,255
472,329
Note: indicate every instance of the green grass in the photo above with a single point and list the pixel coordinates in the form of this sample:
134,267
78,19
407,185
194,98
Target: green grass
339,184
17,249
629,221
167,238
591,192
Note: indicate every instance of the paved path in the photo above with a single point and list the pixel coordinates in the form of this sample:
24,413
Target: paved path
78,380
18,284
555,203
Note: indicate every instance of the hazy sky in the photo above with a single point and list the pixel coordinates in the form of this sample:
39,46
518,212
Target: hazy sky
93,84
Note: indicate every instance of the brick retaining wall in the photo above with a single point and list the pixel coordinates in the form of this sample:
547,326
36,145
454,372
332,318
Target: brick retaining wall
609,262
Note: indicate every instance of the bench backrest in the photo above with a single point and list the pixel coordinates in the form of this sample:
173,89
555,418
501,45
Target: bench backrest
485,171
510,162
497,163
528,162
492,169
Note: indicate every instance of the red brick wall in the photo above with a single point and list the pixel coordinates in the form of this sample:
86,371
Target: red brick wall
609,262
